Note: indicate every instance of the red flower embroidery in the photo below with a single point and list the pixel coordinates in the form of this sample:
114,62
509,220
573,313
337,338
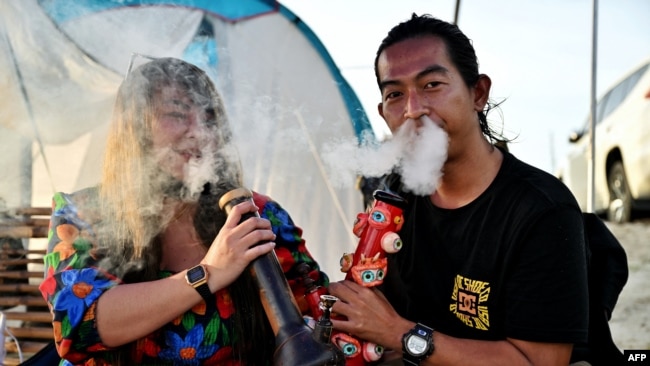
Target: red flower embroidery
48,286
224,304
285,258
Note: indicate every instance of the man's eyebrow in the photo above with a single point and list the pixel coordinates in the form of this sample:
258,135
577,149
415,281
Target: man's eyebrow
433,69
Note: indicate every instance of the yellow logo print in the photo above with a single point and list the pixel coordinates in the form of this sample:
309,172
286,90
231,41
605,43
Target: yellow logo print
469,302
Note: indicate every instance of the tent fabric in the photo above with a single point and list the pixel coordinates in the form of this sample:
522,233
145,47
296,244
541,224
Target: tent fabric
61,63
42,71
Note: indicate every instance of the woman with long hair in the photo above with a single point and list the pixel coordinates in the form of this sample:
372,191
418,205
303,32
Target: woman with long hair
145,268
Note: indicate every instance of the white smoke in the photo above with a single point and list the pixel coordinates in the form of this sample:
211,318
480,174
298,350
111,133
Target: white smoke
213,164
417,151
201,170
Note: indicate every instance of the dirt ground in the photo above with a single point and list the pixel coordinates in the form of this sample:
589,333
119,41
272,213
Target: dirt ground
630,323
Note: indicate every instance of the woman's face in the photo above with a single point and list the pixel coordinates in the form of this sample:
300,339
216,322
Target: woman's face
179,132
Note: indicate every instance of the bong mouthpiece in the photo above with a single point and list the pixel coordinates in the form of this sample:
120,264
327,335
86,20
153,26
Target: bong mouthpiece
233,197
326,303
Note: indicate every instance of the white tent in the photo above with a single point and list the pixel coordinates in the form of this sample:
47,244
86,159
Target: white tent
61,63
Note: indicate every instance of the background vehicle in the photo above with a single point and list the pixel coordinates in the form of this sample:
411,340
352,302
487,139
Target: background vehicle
622,153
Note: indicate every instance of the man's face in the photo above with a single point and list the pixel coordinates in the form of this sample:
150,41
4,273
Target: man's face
417,78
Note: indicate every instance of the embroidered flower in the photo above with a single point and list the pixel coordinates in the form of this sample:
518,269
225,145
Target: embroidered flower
285,258
224,304
81,289
48,286
64,347
188,351
146,346
57,331
199,309
222,357
281,223
67,232
67,213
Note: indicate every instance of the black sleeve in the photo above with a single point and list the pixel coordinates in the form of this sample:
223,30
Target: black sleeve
546,292
608,264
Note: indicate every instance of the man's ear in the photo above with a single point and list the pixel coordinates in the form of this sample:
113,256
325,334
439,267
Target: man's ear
380,109
482,92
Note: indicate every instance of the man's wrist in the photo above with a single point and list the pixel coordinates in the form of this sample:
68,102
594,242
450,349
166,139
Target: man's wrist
417,344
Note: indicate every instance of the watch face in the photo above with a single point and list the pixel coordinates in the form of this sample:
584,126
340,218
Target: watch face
195,274
416,345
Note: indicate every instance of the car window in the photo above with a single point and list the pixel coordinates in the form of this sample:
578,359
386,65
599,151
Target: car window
617,95
611,100
634,78
600,108
615,98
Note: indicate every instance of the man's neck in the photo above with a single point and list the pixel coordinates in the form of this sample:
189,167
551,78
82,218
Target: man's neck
466,177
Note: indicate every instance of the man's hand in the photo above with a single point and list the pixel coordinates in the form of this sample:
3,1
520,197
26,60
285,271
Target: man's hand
369,315
372,318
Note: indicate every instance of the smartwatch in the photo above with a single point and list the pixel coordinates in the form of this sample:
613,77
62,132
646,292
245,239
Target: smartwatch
417,344
197,277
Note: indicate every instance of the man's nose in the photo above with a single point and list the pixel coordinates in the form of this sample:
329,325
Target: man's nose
415,106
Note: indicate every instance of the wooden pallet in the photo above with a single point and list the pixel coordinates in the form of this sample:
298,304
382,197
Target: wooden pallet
27,316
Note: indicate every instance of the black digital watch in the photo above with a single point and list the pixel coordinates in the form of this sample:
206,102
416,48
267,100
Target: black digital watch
417,344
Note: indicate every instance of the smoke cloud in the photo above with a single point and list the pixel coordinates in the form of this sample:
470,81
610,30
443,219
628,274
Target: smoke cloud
417,151
213,163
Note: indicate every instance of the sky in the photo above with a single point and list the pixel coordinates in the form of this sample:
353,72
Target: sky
537,53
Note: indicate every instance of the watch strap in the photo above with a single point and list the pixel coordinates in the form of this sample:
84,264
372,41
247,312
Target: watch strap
204,291
422,331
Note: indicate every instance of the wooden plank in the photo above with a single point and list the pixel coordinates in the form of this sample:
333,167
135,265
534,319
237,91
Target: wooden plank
22,300
7,252
30,211
25,347
36,330
19,287
21,274
35,222
23,232
32,332
4,263
11,360
24,221
30,316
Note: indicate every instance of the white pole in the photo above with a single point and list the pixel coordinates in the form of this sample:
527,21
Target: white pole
591,194
3,326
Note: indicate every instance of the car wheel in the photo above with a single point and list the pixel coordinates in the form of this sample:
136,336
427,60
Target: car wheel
620,199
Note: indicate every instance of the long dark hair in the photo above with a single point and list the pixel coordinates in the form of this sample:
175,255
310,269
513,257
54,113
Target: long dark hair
255,341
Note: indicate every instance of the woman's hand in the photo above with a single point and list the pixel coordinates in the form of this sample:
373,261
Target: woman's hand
234,247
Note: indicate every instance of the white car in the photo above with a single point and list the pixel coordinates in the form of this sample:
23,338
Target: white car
622,150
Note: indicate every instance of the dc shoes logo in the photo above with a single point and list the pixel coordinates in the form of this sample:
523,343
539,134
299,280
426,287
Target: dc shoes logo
469,302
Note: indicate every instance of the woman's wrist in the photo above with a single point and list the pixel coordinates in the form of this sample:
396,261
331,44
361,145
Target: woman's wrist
214,280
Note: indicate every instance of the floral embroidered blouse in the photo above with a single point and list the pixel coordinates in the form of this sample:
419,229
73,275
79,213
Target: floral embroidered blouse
202,336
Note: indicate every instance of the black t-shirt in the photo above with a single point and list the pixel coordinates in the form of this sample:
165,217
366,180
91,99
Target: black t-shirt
511,263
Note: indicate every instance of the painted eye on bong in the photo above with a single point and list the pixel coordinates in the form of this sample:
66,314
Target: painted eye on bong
378,216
